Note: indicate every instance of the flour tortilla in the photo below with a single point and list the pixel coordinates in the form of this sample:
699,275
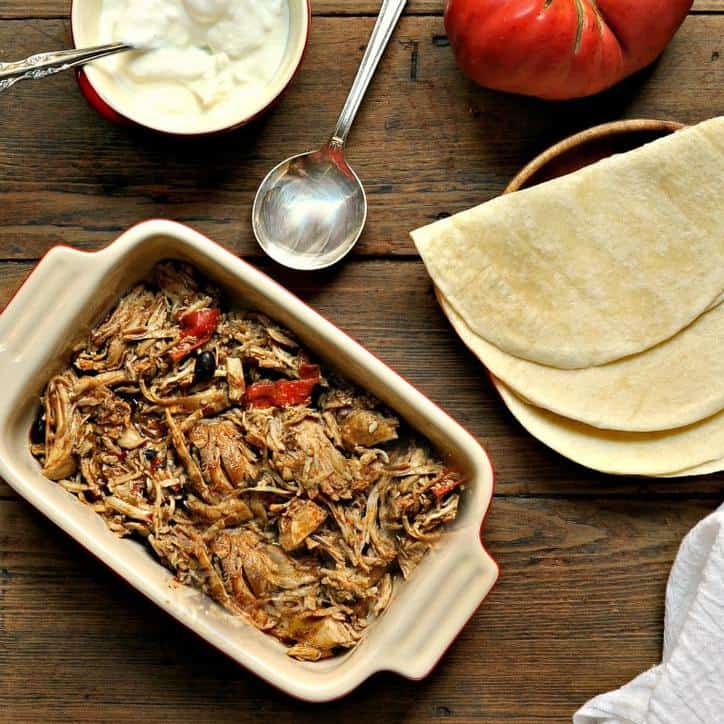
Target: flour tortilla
707,469
674,384
594,266
622,453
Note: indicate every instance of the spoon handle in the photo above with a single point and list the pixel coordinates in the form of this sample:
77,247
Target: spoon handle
45,64
390,13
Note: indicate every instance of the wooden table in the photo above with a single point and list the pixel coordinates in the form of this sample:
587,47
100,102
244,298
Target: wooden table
584,557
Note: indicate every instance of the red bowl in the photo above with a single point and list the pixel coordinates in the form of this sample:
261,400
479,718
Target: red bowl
84,21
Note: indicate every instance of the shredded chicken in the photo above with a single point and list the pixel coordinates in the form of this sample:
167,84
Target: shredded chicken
288,495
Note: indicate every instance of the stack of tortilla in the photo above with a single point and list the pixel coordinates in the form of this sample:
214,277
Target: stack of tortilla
595,302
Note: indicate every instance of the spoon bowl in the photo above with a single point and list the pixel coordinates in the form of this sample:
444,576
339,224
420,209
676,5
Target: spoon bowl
310,210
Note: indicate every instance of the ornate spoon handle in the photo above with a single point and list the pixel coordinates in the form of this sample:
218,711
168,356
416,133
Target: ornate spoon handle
44,64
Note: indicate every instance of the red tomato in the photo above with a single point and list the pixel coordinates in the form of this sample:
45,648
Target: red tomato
309,371
197,328
557,49
283,393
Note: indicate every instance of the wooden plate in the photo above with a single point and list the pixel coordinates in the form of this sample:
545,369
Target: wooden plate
590,146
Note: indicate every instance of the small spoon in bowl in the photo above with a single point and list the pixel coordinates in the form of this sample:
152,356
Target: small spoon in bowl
310,209
43,65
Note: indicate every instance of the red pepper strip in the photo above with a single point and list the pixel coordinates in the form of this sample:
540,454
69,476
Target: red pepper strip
308,371
283,393
446,485
197,328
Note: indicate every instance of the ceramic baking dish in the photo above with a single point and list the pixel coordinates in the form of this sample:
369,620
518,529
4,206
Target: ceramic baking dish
69,290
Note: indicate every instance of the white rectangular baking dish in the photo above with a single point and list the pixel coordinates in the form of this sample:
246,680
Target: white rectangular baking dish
67,293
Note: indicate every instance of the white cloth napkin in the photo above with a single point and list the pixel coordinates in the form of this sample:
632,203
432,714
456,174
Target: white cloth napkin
688,686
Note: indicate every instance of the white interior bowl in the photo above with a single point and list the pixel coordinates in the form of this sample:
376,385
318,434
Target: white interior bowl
114,101
427,611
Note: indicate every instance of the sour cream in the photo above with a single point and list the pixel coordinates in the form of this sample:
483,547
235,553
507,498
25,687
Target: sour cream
206,61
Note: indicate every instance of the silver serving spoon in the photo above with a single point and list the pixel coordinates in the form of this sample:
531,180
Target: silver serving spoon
44,64
310,209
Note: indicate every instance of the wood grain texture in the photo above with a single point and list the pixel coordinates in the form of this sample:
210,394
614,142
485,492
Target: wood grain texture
584,557
427,141
60,8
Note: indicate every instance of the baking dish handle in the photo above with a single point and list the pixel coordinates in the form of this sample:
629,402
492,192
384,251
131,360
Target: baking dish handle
57,282
444,603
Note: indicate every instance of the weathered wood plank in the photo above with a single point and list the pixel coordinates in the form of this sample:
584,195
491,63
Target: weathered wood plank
406,328
578,579
59,8
427,141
